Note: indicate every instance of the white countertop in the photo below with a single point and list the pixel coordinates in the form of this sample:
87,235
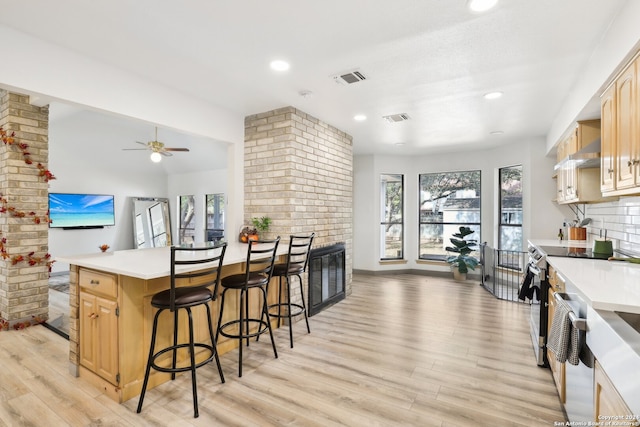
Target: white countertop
149,263
607,285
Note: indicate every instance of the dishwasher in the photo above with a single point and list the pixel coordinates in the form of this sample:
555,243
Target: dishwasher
579,379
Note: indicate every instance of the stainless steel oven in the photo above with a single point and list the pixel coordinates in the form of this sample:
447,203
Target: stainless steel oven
537,272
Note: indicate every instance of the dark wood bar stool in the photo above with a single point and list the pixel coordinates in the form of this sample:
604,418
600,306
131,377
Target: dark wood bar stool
204,265
261,255
296,265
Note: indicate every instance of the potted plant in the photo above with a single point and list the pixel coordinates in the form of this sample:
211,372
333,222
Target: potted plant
262,225
462,262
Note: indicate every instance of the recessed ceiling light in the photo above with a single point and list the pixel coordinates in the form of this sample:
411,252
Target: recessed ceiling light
496,132
493,95
399,144
359,117
279,65
481,5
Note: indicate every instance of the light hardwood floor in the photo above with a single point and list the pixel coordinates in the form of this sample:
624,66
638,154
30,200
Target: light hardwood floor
402,350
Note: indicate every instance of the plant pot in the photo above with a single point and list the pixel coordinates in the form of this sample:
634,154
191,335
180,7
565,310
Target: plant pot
460,277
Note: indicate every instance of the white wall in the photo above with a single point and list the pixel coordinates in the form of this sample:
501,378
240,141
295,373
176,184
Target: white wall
542,217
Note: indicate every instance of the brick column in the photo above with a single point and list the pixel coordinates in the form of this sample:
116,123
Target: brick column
299,172
24,292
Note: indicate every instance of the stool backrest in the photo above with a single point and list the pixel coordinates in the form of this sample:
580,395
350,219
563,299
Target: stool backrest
299,252
261,256
197,266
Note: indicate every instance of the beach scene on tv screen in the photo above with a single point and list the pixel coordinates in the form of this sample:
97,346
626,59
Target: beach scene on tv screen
80,210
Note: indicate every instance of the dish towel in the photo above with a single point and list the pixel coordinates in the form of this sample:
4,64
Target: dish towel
527,288
564,338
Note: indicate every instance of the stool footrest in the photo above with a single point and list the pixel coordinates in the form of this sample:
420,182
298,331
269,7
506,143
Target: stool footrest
262,328
299,309
181,368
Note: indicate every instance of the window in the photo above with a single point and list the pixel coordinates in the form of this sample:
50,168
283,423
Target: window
187,226
391,216
448,200
510,233
214,230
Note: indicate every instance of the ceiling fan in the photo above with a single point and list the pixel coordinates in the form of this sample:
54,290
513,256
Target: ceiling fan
157,148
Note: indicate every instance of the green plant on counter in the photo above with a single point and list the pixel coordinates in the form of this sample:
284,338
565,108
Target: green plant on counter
261,224
463,247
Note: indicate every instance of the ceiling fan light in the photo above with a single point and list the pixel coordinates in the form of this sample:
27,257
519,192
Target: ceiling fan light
156,157
479,6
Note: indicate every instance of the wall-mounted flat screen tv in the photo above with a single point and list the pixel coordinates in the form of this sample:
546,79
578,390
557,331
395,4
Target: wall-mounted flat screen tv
68,210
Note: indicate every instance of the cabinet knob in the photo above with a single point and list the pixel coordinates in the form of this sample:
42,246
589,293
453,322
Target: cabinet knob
629,163
635,161
94,282
610,171
93,316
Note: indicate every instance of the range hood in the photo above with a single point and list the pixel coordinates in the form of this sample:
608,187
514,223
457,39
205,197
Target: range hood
587,157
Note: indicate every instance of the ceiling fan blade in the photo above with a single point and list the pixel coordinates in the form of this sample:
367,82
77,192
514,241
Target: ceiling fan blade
175,149
164,153
143,143
134,149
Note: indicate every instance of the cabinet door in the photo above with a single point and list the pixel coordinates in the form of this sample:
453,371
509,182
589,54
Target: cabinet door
626,127
608,135
607,399
107,345
557,368
87,331
99,336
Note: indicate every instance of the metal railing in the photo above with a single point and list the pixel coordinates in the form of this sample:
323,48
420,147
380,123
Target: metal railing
502,271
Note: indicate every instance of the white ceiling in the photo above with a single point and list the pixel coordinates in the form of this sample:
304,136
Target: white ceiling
430,59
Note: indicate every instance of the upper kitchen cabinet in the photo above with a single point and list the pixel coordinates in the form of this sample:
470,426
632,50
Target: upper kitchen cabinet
620,171
578,167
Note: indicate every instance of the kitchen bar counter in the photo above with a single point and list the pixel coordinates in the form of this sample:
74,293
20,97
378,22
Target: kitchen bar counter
150,263
111,315
607,285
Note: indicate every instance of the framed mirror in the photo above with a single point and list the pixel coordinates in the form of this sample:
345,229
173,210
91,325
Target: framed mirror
151,222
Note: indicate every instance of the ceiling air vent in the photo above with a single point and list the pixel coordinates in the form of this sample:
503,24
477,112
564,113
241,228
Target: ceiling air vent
350,77
395,118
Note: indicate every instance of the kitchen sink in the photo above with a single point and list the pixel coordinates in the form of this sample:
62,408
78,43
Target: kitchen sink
632,319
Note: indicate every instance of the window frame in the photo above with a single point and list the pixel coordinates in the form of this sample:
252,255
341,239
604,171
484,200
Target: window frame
502,224
476,225
384,222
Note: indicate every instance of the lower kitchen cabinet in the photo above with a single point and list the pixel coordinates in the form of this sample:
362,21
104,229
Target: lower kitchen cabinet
608,403
557,368
556,284
98,324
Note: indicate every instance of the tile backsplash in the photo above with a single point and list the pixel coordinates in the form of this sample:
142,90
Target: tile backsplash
621,220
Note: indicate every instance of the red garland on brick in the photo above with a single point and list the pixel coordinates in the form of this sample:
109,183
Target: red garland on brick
30,258
44,173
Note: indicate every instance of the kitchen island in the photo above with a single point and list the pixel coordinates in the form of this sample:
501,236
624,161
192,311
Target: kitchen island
610,289
111,315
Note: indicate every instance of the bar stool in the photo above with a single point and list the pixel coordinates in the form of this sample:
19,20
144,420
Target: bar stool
261,255
204,265
296,265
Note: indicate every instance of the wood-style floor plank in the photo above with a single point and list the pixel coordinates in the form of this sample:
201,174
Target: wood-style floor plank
402,350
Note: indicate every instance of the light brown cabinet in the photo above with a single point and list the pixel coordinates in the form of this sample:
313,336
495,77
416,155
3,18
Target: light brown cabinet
608,402
98,324
620,110
556,284
578,182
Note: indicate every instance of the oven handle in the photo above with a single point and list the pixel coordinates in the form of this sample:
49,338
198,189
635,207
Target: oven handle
533,267
578,322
